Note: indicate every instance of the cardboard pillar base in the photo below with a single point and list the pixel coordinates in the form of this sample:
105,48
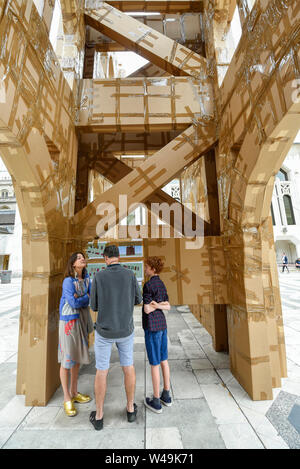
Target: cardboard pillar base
38,368
249,353
204,315
214,319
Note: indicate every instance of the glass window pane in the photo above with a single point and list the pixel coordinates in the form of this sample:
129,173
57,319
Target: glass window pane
282,175
289,210
272,213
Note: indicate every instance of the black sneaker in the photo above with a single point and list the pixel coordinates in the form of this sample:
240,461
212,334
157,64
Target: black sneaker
98,424
152,406
131,416
166,401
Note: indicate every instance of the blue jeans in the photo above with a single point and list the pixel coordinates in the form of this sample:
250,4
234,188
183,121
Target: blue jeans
156,346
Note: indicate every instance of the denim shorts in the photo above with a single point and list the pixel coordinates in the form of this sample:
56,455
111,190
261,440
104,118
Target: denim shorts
156,346
103,346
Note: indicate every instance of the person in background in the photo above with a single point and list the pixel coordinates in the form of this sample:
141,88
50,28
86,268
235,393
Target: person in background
155,299
74,327
115,291
285,262
297,263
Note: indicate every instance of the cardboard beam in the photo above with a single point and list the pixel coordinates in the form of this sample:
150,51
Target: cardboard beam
161,6
220,328
142,104
118,144
212,192
109,47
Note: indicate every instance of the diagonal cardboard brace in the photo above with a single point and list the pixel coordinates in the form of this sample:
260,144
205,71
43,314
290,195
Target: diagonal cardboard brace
152,45
150,176
114,170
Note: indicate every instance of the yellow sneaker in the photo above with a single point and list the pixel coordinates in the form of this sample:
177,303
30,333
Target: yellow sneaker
81,398
70,409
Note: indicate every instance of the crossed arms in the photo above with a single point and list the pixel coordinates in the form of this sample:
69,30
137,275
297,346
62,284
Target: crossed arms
148,308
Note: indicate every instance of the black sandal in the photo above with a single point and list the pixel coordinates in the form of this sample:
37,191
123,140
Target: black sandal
98,424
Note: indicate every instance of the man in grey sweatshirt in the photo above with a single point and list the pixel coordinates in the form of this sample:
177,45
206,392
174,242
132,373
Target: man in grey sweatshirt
114,293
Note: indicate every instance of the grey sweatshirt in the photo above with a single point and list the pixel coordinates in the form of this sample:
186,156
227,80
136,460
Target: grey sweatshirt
114,293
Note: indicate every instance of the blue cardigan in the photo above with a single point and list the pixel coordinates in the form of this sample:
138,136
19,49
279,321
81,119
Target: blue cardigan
68,290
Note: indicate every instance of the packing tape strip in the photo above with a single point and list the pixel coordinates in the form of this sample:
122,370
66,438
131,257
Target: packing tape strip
148,181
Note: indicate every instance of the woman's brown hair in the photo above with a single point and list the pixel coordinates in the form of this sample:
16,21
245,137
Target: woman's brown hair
155,263
70,271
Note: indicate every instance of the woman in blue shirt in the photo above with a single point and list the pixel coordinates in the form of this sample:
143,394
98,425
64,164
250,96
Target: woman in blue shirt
74,327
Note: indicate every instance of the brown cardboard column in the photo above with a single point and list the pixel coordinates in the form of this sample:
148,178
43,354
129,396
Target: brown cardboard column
220,329
154,46
73,42
273,304
39,148
82,183
212,193
89,59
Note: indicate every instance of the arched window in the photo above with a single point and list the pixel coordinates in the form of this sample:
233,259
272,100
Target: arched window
4,194
289,210
282,175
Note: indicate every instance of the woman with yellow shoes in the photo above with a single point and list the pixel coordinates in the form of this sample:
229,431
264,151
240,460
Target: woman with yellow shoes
75,325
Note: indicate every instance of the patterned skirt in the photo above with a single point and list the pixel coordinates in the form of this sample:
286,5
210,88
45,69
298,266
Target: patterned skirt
73,346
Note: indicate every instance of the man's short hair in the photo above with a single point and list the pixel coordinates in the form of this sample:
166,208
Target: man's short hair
111,251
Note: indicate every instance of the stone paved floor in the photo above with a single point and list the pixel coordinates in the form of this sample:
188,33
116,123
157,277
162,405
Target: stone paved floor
210,408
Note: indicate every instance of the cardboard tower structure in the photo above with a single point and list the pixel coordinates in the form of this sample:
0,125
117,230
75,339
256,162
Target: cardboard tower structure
226,139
